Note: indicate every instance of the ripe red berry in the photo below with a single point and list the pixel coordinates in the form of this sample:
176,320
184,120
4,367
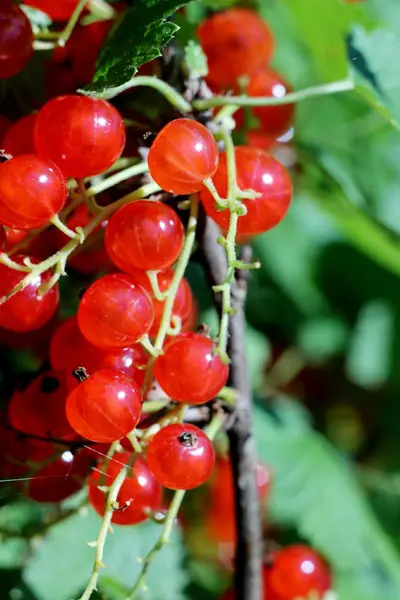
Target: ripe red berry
144,235
59,479
40,409
19,138
183,154
58,11
274,120
27,310
189,370
32,191
105,406
139,493
181,456
16,39
69,350
183,300
236,42
83,136
115,312
297,571
262,173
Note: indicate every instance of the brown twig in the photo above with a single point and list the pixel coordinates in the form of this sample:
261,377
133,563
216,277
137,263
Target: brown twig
248,585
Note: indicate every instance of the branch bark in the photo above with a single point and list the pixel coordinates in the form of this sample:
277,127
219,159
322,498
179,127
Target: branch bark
248,583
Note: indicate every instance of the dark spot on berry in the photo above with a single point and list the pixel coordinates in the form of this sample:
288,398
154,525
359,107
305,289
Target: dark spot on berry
80,374
188,439
49,384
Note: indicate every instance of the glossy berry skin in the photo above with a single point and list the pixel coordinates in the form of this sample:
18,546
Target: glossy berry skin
181,456
236,42
183,300
183,154
144,235
105,406
83,136
69,349
32,191
19,138
297,571
58,11
262,173
189,370
16,39
274,120
26,310
115,312
40,409
139,492
59,479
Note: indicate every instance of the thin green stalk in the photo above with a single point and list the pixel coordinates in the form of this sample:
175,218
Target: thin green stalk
66,33
169,93
212,430
243,101
123,175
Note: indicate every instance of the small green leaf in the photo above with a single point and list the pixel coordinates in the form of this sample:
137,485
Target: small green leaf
195,60
138,37
321,338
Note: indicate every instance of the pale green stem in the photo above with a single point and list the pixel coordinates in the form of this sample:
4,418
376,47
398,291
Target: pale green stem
155,288
236,102
169,93
212,430
66,33
117,178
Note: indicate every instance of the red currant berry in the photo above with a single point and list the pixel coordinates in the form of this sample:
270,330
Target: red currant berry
92,256
115,312
27,310
40,409
105,406
183,154
144,235
236,42
19,138
274,120
16,39
70,350
181,456
189,370
297,571
183,300
58,11
32,191
60,479
139,493
262,173
83,136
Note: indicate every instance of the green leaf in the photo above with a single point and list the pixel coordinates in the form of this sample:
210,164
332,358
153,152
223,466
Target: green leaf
64,556
138,37
368,360
377,70
315,491
321,338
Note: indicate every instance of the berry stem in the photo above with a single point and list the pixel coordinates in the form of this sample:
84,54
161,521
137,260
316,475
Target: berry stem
66,33
155,288
212,430
105,526
56,221
117,178
236,102
169,93
229,245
